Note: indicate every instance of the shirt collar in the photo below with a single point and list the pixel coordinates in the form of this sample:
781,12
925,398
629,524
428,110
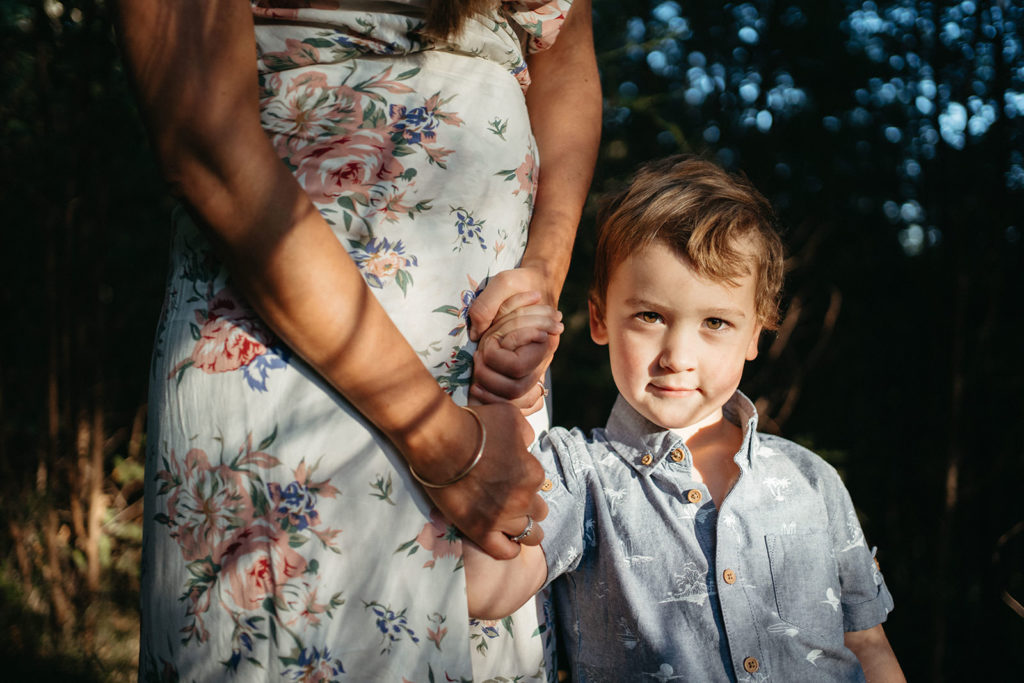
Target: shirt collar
643,444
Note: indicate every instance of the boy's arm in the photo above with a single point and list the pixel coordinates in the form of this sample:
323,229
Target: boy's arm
872,649
497,588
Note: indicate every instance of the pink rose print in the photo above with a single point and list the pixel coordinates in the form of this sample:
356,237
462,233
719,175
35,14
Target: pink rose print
207,505
230,336
257,565
310,110
351,164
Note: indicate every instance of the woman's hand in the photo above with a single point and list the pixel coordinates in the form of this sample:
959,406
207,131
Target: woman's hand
511,374
492,502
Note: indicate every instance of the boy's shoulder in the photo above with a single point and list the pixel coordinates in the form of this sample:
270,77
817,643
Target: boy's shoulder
575,442
775,452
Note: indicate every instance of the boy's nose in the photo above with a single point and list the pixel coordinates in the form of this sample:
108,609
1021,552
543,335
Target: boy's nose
678,356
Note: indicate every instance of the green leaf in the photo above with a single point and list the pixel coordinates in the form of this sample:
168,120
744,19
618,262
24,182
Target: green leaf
318,42
405,546
407,74
268,441
404,279
194,329
450,310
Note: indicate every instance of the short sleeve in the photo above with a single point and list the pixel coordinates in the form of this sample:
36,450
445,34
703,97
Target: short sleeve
541,20
565,494
865,598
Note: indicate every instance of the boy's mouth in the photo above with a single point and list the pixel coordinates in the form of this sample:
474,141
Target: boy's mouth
672,390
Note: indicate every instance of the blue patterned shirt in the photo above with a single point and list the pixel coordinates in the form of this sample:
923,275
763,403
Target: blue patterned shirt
656,583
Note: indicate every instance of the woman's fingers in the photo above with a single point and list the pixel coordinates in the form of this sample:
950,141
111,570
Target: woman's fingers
529,403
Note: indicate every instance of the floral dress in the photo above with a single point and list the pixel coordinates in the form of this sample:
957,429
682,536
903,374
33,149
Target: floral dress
284,537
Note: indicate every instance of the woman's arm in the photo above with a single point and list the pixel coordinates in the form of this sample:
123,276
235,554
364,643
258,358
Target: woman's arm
194,67
875,655
564,102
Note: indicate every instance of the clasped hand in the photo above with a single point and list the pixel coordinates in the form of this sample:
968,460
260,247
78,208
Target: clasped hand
517,333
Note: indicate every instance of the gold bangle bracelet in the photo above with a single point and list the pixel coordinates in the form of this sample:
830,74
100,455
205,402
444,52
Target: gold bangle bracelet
472,463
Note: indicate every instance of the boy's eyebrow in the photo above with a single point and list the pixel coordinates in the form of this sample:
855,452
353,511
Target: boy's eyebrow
734,313
727,313
641,303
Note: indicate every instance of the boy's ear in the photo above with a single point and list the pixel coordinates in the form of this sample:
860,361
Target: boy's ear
752,348
598,330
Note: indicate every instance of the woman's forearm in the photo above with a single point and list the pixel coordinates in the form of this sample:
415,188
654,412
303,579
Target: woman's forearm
564,102
194,66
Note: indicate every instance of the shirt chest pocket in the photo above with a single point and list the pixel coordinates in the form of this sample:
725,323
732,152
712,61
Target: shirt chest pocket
806,581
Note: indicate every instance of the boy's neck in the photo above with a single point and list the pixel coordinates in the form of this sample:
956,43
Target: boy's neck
713,443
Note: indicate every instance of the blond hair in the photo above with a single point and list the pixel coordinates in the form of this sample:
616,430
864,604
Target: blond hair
718,221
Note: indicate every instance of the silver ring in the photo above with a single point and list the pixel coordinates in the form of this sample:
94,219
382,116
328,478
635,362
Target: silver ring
526,531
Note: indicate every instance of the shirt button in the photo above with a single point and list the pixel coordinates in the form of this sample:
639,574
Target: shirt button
677,455
751,665
694,496
547,485
646,459
729,576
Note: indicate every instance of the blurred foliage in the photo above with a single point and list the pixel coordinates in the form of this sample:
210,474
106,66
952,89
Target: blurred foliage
887,134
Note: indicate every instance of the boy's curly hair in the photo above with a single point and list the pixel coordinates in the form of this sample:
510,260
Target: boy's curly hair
716,220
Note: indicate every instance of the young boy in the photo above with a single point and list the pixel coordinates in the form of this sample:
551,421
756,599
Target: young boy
689,546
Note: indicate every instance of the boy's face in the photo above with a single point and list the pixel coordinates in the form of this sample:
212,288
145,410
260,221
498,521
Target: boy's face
677,342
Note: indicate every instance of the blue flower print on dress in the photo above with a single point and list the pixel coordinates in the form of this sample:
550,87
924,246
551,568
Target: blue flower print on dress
257,371
393,626
469,229
413,125
294,505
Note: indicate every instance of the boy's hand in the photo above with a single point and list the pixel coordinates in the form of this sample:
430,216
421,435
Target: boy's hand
497,588
514,353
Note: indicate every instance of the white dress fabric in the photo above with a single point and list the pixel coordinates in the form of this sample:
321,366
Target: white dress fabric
284,538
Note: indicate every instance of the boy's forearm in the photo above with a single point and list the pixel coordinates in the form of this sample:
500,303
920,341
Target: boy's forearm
875,655
497,588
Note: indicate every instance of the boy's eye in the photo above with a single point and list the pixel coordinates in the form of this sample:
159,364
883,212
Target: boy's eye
715,323
648,316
